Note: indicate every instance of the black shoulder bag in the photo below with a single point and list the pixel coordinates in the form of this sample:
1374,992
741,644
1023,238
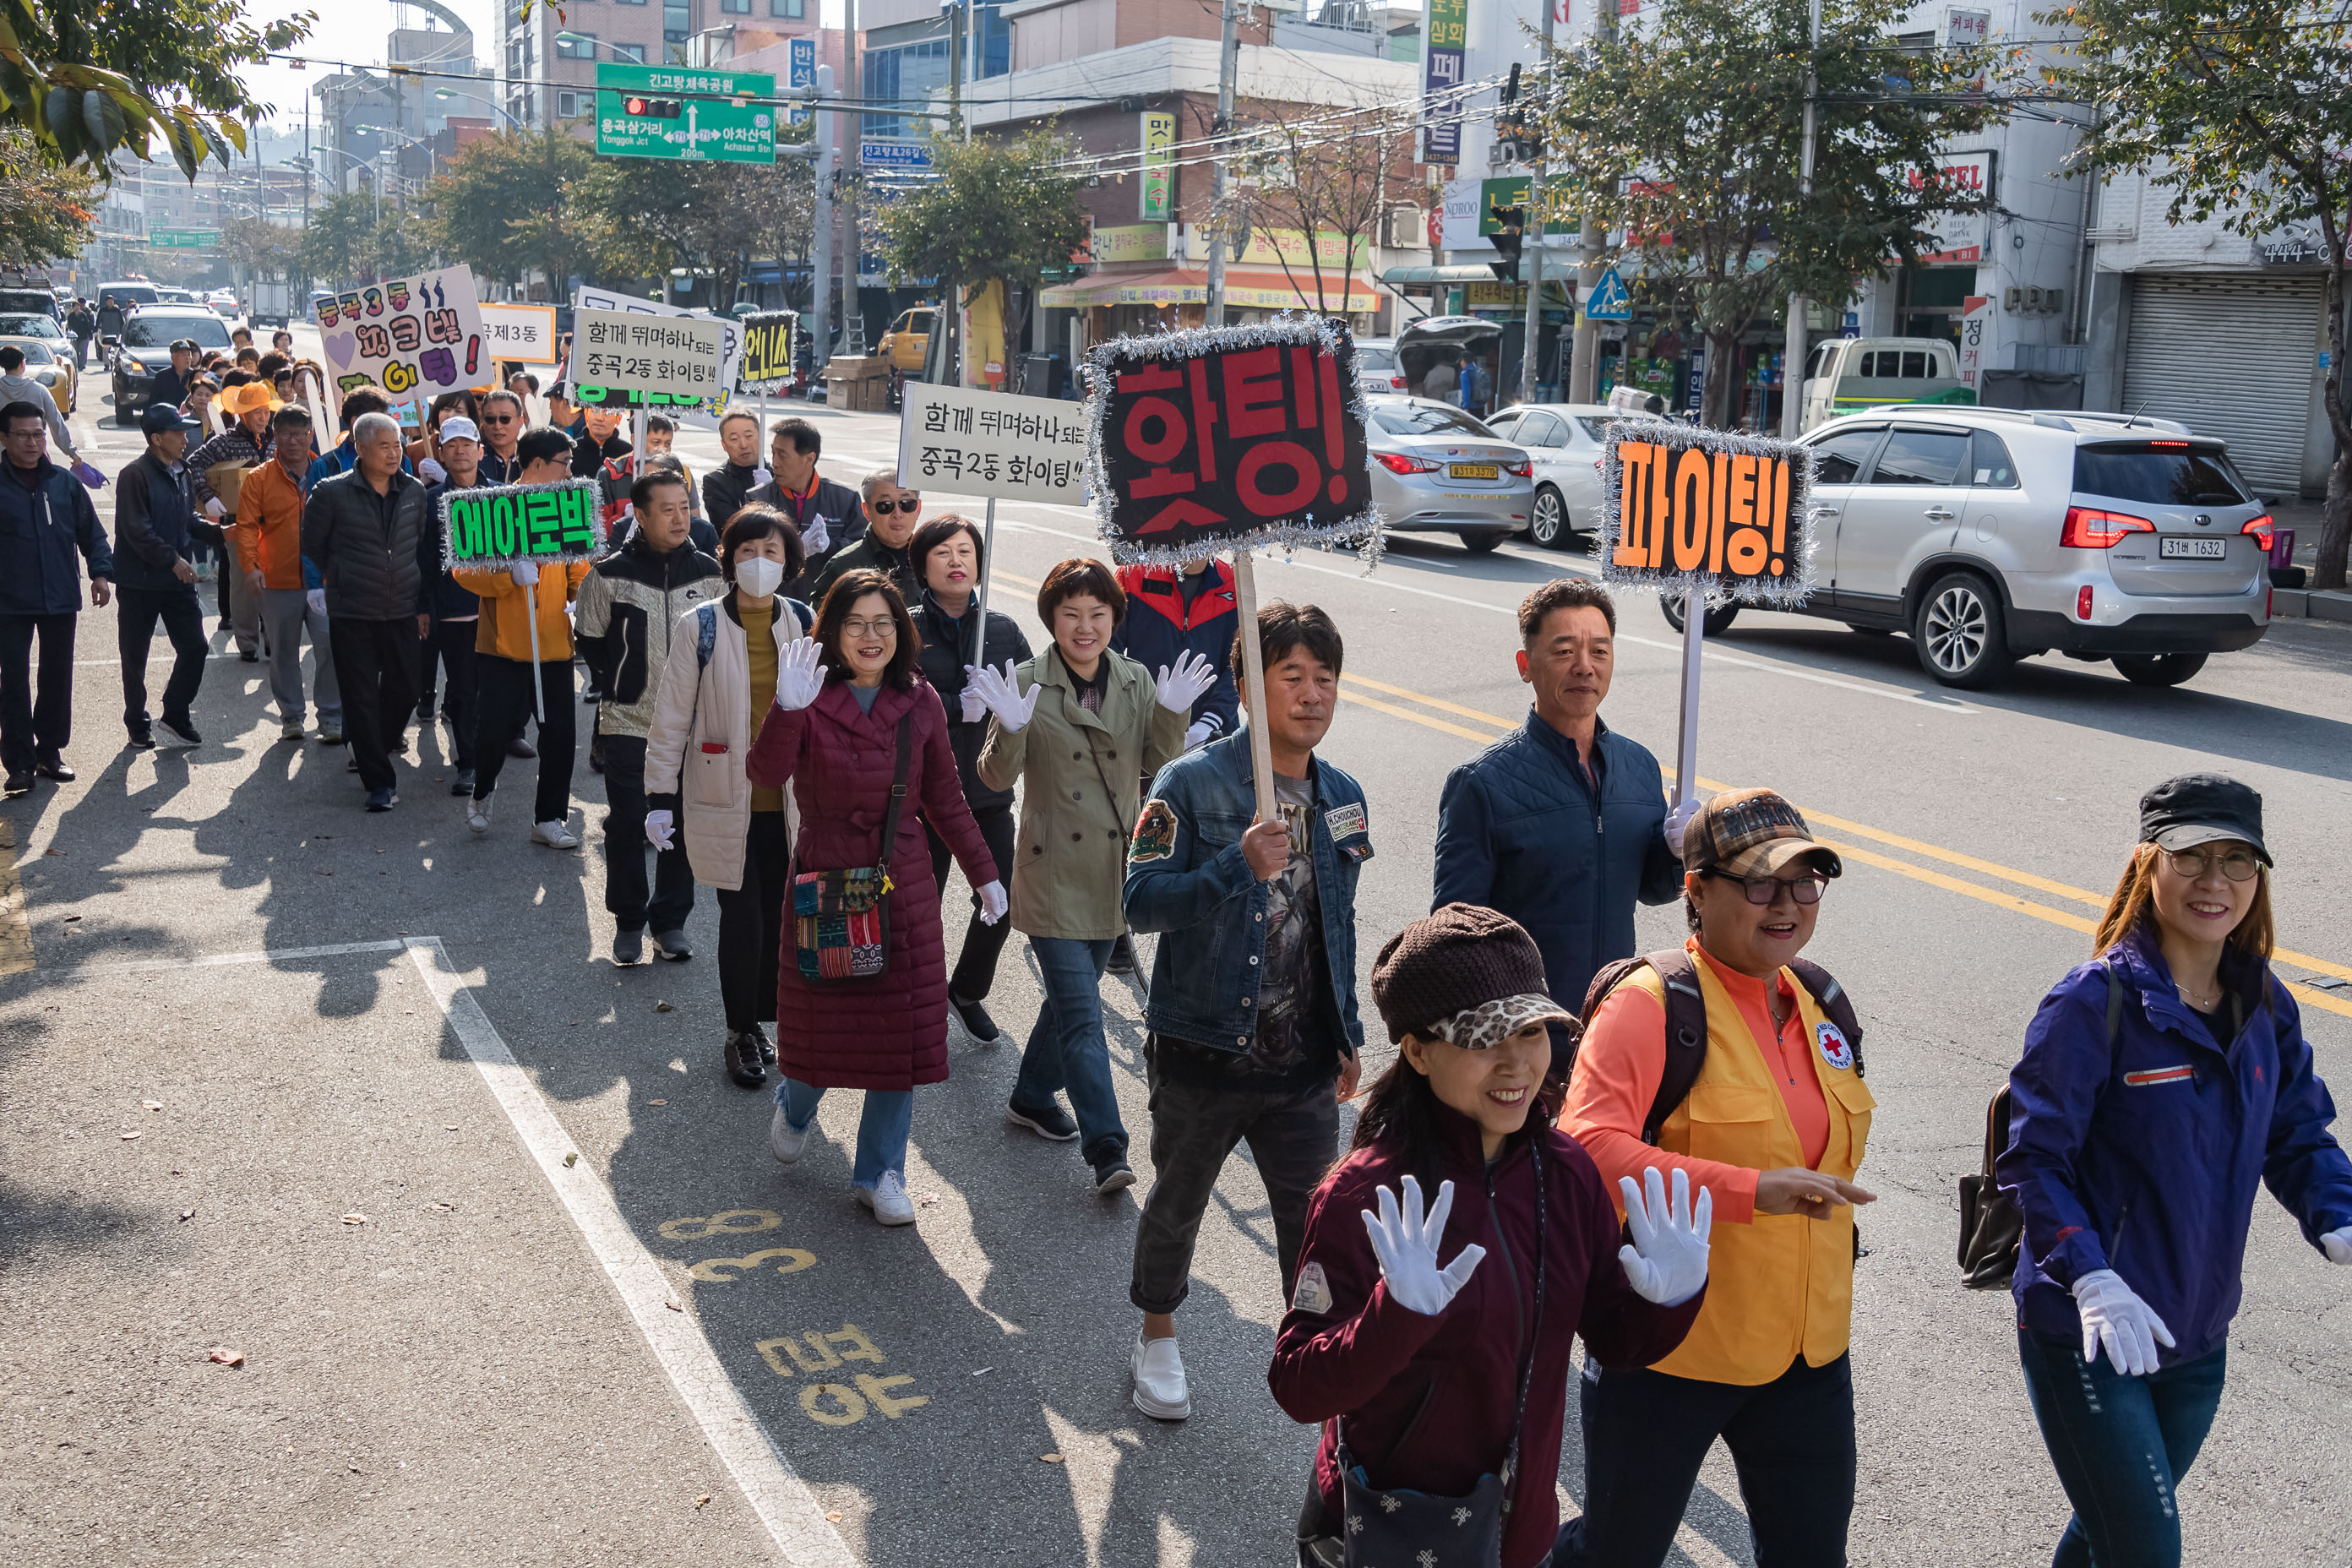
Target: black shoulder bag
1403,1527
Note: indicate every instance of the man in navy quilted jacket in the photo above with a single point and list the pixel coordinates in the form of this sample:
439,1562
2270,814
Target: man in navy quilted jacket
1562,824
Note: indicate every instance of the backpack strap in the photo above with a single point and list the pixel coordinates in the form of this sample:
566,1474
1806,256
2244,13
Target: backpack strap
1685,1036
1831,998
2114,1003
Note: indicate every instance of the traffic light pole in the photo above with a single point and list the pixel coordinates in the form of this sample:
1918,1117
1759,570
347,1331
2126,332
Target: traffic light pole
1228,59
1792,361
1534,229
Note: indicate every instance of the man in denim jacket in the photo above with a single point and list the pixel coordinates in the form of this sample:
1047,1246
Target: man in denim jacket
1252,1012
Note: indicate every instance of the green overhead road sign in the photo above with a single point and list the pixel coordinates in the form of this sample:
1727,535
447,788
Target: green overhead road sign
183,238
678,111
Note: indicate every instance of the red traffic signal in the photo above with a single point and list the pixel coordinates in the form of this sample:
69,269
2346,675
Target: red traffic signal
650,107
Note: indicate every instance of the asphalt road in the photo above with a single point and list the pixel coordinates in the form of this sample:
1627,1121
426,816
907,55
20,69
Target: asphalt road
515,1279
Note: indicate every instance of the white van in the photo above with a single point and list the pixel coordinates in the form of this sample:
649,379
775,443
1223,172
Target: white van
1851,375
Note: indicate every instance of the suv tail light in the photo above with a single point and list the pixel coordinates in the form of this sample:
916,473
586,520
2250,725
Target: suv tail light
2087,528
2261,529
1522,468
2083,603
1398,463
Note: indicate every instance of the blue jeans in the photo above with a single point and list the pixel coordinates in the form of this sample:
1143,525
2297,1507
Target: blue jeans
2120,1445
882,1126
1067,1049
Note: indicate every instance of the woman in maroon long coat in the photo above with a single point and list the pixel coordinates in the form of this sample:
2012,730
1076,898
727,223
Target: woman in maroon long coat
841,695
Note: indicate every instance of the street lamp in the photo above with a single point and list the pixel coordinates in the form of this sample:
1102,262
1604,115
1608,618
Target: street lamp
432,151
443,92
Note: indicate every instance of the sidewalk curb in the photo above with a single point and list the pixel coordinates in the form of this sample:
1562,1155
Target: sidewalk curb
2310,604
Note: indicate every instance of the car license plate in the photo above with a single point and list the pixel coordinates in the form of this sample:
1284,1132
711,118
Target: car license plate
1476,471
2192,549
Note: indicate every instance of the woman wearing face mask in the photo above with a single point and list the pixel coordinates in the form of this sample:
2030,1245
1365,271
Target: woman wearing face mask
946,552
1088,718
718,689
1442,1381
864,744
2162,1083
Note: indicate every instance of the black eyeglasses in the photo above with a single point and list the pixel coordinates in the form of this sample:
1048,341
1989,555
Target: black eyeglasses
497,419
2239,864
1762,891
884,508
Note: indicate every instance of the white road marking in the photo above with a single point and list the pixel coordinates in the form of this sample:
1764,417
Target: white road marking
215,961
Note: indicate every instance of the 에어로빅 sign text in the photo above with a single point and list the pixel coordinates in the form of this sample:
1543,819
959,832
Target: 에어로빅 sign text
669,359
506,525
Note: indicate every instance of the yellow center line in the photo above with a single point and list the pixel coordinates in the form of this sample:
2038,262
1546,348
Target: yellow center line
15,929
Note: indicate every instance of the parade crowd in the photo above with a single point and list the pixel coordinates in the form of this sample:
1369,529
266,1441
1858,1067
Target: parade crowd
800,705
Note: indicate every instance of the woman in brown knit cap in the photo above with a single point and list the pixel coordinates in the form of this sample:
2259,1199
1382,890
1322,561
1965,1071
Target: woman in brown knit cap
1447,1442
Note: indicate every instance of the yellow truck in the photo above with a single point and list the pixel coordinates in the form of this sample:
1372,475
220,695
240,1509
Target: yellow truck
906,345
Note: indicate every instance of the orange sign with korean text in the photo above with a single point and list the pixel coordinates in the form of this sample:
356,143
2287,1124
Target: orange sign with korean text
1690,505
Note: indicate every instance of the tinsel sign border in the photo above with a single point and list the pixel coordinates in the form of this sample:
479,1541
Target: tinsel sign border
573,523
1731,514
1359,525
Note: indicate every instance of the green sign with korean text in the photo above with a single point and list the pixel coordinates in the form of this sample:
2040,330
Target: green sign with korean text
507,525
183,238
679,112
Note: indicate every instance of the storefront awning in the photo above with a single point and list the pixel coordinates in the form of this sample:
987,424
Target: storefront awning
1250,288
1407,277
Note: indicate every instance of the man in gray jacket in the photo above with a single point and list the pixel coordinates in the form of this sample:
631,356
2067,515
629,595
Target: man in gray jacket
359,529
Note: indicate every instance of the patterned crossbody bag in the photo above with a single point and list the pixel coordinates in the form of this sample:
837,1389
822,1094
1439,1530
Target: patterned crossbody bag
841,919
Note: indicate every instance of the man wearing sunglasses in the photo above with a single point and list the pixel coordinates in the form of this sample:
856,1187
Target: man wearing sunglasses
891,512
1771,1118
502,426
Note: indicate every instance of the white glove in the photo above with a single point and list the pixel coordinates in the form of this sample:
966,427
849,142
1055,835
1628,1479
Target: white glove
1199,733
1406,1245
2114,1316
657,826
431,472
993,903
317,599
800,675
524,573
974,710
1181,685
213,509
760,476
1677,820
2338,1245
1001,690
814,539
1667,1260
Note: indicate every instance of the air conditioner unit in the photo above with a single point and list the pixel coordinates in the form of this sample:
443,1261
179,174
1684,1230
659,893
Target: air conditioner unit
2012,296
2053,301
1408,229
2032,301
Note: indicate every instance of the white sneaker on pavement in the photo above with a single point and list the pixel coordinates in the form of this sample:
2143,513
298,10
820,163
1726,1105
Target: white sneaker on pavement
1159,1388
478,815
888,1200
783,1143
554,835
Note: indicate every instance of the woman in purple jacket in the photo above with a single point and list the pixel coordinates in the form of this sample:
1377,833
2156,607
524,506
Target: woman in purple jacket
1428,1380
2161,1083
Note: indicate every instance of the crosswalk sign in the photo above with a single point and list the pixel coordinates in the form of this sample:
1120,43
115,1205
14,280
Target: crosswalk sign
1610,301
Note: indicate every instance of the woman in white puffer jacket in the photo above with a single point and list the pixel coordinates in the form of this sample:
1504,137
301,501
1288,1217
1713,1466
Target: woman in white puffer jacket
718,684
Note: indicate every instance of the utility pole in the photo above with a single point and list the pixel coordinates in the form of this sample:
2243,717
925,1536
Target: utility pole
820,243
1793,362
853,320
1228,61
1584,353
1532,251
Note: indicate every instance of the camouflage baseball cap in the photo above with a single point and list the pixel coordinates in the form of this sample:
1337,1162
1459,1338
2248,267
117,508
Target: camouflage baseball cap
1752,833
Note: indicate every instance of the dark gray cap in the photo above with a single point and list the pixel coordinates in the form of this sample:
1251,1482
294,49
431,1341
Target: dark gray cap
2190,809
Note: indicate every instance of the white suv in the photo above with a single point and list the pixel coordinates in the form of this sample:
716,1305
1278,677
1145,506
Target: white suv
1992,535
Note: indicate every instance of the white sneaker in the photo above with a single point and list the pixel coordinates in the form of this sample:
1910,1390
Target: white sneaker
291,730
888,1200
554,835
478,815
783,1143
1160,1389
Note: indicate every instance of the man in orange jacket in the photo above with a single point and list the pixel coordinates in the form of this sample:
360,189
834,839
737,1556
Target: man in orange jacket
269,549
505,675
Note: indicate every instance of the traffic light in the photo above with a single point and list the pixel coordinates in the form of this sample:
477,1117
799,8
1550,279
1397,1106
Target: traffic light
1510,225
650,107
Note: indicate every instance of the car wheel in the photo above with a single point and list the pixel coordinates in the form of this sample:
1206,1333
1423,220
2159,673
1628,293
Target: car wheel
1720,613
1549,525
1960,633
2159,668
1485,543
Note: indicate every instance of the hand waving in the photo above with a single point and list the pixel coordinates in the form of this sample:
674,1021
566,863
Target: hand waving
1406,1245
800,675
1179,685
1667,1260
1001,689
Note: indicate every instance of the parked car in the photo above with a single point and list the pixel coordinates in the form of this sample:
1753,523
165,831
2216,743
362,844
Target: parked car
32,301
1992,534
905,345
48,360
1436,470
167,295
1564,441
222,302
146,348
1377,370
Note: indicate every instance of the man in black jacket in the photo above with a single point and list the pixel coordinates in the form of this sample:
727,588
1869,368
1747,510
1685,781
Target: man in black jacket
156,529
726,488
360,527
170,386
827,514
602,443
44,519
891,510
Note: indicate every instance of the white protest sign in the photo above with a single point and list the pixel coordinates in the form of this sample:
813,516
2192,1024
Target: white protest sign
666,359
971,442
707,417
419,336
522,333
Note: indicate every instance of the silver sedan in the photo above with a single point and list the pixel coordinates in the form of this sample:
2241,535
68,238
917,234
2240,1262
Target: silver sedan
1436,470
1566,441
